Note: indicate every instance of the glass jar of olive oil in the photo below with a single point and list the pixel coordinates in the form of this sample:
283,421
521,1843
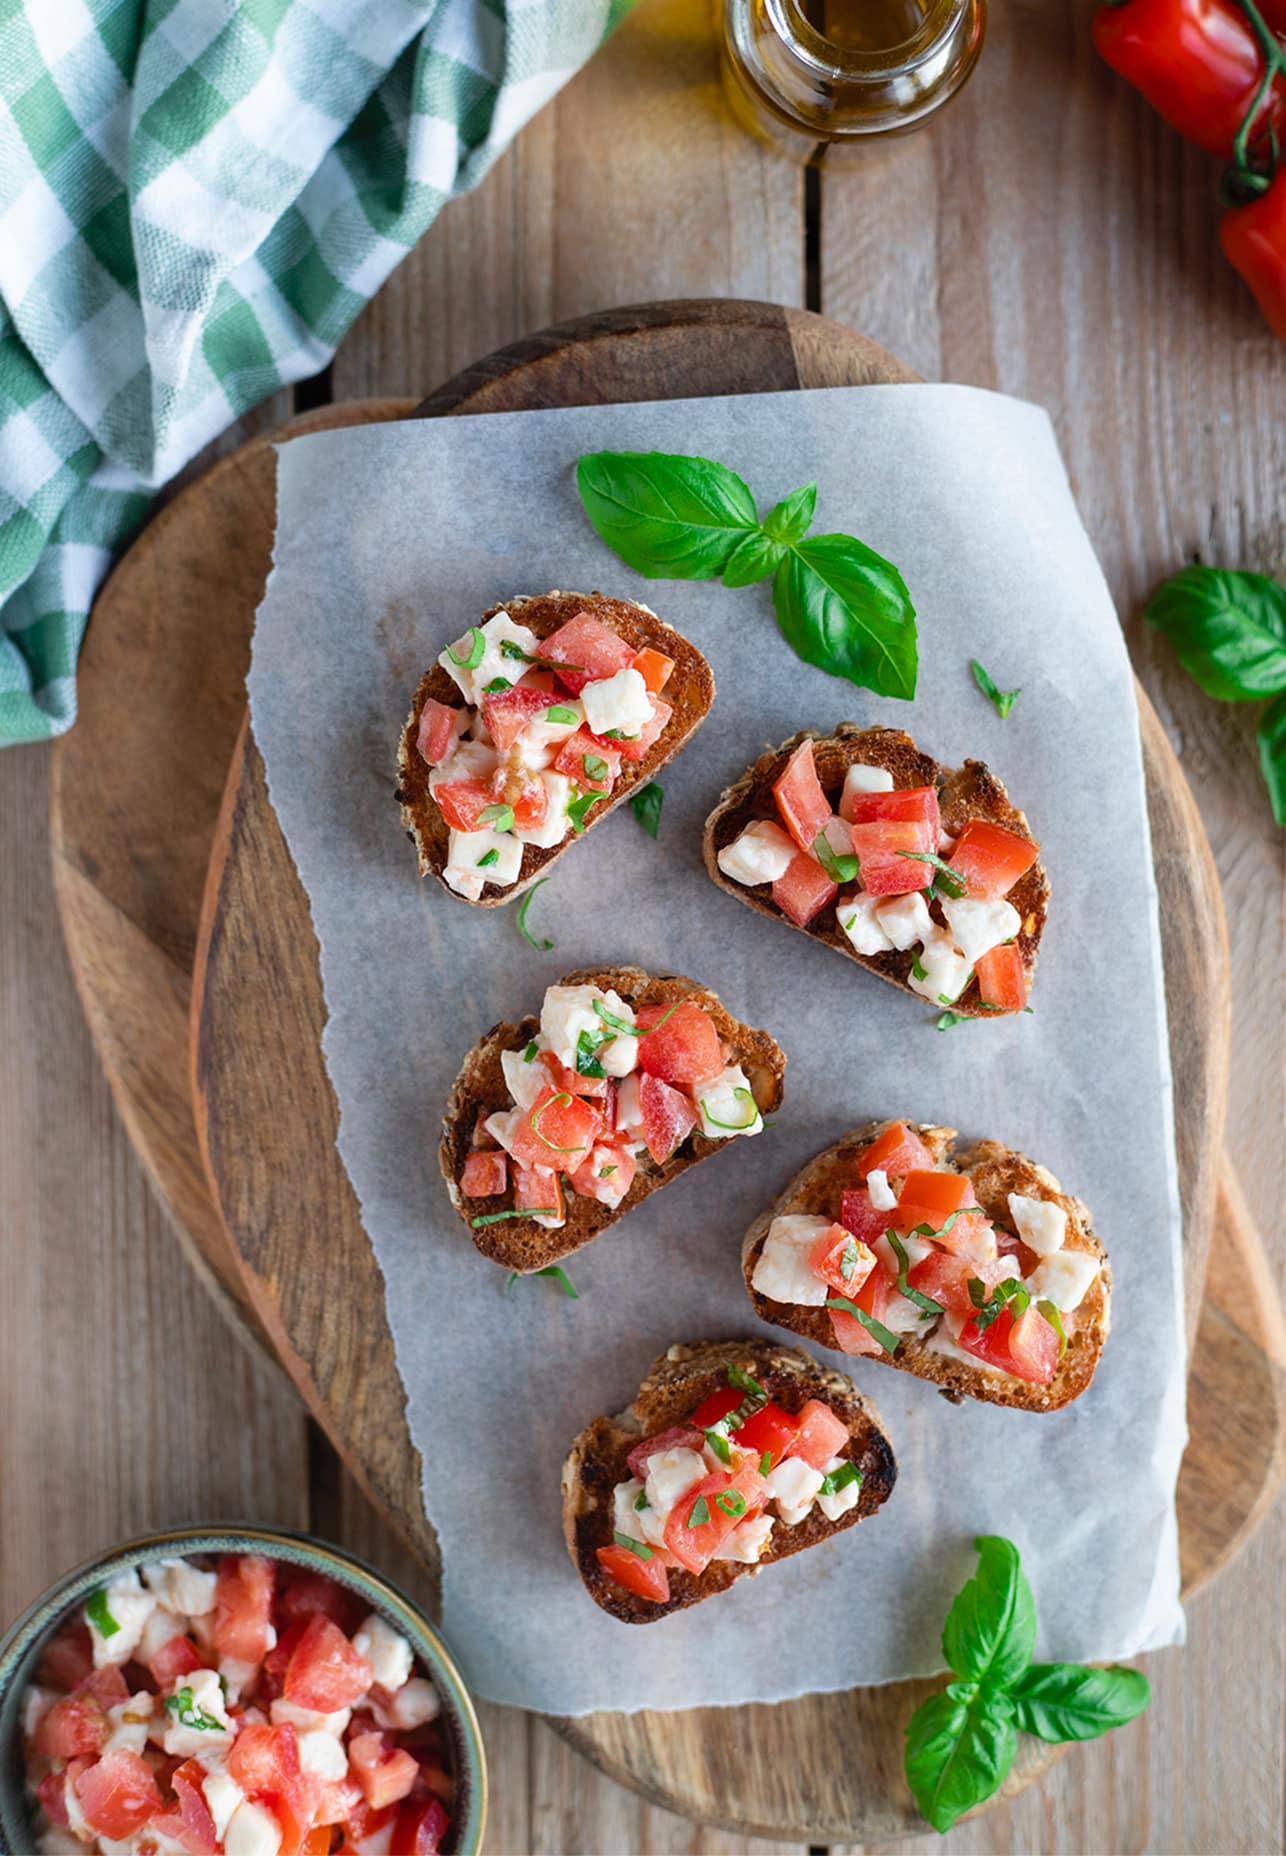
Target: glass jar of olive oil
820,77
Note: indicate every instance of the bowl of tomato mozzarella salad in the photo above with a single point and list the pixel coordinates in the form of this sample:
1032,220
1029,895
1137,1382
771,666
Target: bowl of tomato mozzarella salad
234,1692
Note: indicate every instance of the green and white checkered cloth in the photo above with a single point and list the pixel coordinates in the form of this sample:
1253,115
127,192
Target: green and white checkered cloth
196,199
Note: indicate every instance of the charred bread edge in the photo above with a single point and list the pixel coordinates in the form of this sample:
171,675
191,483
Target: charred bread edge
971,791
522,1244
690,692
1087,1327
675,1384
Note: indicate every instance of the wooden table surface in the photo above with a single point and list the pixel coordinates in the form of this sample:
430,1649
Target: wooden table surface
1047,237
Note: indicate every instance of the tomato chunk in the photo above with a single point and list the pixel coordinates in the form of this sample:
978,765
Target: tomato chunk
326,1672
645,1578
265,1759
888,858
770,1431
385,1776
803,889
593,764
668,1117
189,1823
835,1248
972,1235
106,1685
67,1659
991,859
524,792
178,1657
719,1403
435,736
557,1132
821,1434
52,1792
243,1607
572,1080
805,810
118,1794
859,1216
684,1049
485,1174
929,1197
872,1298
420,1829
634,747
585,651
907,804
462,802
945,1278
607,1175
1034,1347
654,668
1002,978
538,1189
507,713
895,1151
312,1593
74,1724
726,1501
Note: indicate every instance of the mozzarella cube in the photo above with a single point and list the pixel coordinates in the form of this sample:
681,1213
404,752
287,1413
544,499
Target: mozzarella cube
466,851
468,760
858,916
130,1723
639,1523
793,1484
863,779
906,920
415,1703
36,1704
977,926
504,1124
833,1506
946,973
1040,1223
670,1474
629,1113
198,1696
727,1106
129,1607
916,1248
323,1754
746,1542
569,1010
620,1056
783,1272
1063,1278
883,1197
386,1650
494,662
556,824
161,1628
181,1587
222,1796
761,854
252,1831
618,704
308,1720
524,1080
838,835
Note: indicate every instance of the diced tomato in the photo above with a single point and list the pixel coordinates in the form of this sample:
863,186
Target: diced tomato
972,1236
872,1298
695,1546
828,1255
684,1049
859,1216
75,1724
895,1151
336,1802
1034,1347
107,1686
310,1594
557,1131
563,1078
118,1794
189,1822
634,747
582,747
585,651
654,669
178,1657
436,733
385,1776
1002,977
645,1578
991,859
770,1430
243,1607
888,855
538,1189
525,792
66,1659
507,713
945,1278
272,1671
803,889
805,810
484,1175
463,802
668,1117
52,1793
821,1434
366,1828
326,1672
930,1197
265,1760
720,1402
907,804
544,680
421,1827
608,1173
678,1437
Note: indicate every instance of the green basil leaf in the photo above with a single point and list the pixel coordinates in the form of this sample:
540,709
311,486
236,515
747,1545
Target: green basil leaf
753,559
96,1610
700,1514
578,807
551,1270
845,609
595,767
487,859
952,883
840,1479
792,518
476,652
1272,755
925,1303
501,817
765,1462
641,1501
733,1503
1054,1315
839,868
587,1063
1064,1701
528,1056
1228,630
718,1442
637,1547
960,1745
991,1627
1003,700
561,713
669,517
742,1381
646,804
496,684
183,1706
946,1021
541,947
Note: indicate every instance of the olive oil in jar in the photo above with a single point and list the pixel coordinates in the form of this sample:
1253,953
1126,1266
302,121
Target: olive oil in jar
865,25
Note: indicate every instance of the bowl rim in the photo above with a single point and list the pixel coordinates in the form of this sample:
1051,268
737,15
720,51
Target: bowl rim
43,1614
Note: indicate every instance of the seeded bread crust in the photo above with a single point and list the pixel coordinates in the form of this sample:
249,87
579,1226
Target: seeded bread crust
675,1385
520,1243
964,793
689,691
996,1171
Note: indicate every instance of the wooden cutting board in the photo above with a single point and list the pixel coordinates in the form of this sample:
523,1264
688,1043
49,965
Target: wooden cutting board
288,1252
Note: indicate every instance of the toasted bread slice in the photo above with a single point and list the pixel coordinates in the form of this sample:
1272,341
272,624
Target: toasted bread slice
689,691
996,1171
676,1384
522,1244
964,793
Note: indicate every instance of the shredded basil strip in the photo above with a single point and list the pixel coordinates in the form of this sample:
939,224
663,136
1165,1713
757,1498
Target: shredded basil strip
838,867
1053,1315
561,713
736,1127
551,1270
502,817
596,768
510,648
476,652
529,1054
700,1514
98,1614
888,1341
925,1303
1004,700
645,804
948,1020
840,1479
732,1501
534,1211
619,1024
952,882
718,1442
742,1381
487,859
496,685
587,1063
641,1501
563,1096
988,1307
605,1172
182,1704
637,1547
765,1462
578,807
918,969
542,947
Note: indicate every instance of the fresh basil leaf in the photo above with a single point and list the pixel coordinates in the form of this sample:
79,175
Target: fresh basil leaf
765,1462
991,1626
596,768
587,1063
918,969
845,609
1228,630
840,1478
1272,755
700,1514
96,1610
641,1501
646,804
487,859
638,1547
717,1439
496,684
578,808
510,648
561,714
542,947
1003,700
1065,1701
552,1270
839,868
669,517
529,1055
182,1705
1053,1314
889,1341
925,1303
499,816
792,518
753,559
952,883
960,1745
946,1021
742,1381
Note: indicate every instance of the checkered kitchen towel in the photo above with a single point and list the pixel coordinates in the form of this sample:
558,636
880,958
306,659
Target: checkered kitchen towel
196,199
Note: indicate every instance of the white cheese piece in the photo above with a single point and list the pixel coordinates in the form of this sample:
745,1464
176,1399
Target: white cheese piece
556,824
640,1523
720,1103
883,1197
746,1543
469,760
415,1703
130,1607
863,779
569,1010
130,1721
494,663
1063,1278
833,1506
524,1080
386,1650
466,850
977,925
238,1675
916,1248
539,742
36,1703
504,1124
946,973
782,1272
620,1055
858,915
181,1587
838,835
761,854
906,920
222,1796
670,1474
793,1484
252,1831
308,1720
1041,1224
619,702
161,1628
629,1113
323,1754
206,1699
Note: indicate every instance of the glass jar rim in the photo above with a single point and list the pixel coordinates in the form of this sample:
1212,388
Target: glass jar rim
834,61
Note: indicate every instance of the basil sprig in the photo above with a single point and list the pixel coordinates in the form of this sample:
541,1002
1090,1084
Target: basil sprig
645,804
960,1743
578,807
1003,700
1010,1290
1229,632
839,605
552,1270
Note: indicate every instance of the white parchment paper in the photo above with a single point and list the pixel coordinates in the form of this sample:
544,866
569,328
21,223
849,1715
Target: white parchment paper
391,541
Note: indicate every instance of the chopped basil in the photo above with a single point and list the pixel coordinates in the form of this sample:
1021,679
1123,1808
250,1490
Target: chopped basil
563,1097
527,1211
742,1381
619,734
848,1259
732,1501
587,1063
541,947
839,868
98,1614
1004,700
765,1462
951,882
561,713
620,1024
948,1020
918,968
737,1127
509,648
925,1303
578,808
551,1270
502,817
596,768
700,1514
840,1479
645,804
476,652
641,1501
182,1705
487,859
633,1546
1009,1291
1051,1312
888,1341
605,1172
717,1439
496,684
529,1055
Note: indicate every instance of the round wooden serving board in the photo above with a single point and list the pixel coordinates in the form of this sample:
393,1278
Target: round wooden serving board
162,675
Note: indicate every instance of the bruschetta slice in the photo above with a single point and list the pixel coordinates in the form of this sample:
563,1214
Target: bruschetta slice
733,1455
558,1126
927,876
534,726
974,1270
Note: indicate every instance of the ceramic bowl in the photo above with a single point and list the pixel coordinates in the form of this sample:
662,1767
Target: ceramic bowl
21,1647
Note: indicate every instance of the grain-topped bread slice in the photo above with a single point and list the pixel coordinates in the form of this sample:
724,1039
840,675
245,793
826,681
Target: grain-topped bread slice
971,792
522,1244
995,1172
675,1385
689,690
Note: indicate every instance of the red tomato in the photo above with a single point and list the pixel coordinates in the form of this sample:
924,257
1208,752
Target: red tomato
365,1826
75,1724
991,859
972,1236
1253,239
821,1434
826,1260
52,1792
557,1131
585,651
929,1197
803,890
582,747
917,805
336,1802
316,1842
243,1607
67,1659
591,1179
654,669
107,1686
421,1828
894,1151
1197,62
886,853
310,1593
1002,977
668,1117
524,791
538,1189
563,1078
508,712
265,1760
463,802
189,1822
770,1430
695,1547
385,1776
118,1794
636,746
859,1216
678,1437
178,1657
645,1578
805,810
872,1298
484,1175
684,1050
718,1405
1033,1347
272,1673
436,734
946,1279
325,1671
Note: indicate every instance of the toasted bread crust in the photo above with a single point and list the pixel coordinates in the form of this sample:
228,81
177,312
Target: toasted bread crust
996,1171
675,1385
689,691
964,793
520,1243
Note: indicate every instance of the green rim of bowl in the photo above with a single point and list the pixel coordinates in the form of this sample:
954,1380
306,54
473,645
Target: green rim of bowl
21,1642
